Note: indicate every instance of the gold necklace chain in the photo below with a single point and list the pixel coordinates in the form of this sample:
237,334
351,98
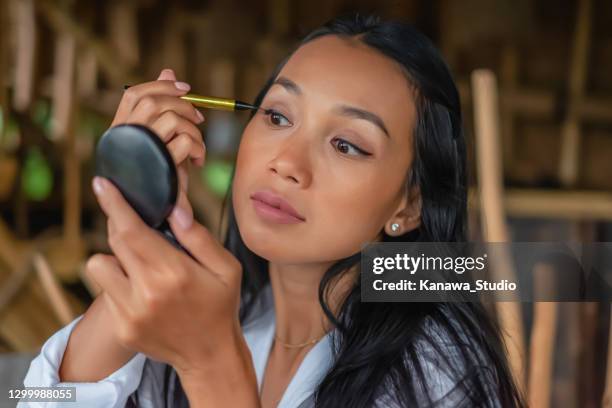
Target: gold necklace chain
300,345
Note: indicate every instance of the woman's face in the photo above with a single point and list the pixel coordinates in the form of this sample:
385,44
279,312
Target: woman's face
337,149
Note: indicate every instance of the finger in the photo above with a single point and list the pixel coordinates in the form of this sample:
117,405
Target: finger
124,110
106,271
122,246
170,123
150,107
203,246
166,74
115,206
199,162
183,146
132,241
187,209
135,93
183,176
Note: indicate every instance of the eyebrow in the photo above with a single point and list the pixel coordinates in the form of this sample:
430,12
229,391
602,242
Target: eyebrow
344,110
358,113
288,84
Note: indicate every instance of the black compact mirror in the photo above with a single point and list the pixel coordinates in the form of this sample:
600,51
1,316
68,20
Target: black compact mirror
135,160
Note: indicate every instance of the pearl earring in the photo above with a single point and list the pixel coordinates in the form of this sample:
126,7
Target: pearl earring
394,227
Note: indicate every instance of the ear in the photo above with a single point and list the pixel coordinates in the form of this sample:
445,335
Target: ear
407,216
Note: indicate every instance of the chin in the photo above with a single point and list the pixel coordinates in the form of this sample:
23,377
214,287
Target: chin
266,246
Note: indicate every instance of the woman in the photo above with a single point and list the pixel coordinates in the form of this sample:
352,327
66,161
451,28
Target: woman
361,141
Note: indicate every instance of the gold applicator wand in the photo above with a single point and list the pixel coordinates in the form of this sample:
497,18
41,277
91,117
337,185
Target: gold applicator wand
212,102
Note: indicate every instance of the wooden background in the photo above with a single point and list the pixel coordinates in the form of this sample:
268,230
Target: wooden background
536,89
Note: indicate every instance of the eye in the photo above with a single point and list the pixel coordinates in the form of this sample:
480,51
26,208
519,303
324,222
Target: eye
277,119
345,147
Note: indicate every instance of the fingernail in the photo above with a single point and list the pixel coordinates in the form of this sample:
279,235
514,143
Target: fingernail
200,116
98,185
182,217
183,86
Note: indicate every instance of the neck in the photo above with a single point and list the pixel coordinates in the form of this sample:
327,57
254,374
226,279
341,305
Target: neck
295,288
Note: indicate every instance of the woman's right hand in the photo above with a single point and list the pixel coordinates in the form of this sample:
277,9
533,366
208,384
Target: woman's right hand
157,105
93,351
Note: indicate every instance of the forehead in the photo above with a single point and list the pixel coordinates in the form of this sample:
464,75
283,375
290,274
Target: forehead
344,70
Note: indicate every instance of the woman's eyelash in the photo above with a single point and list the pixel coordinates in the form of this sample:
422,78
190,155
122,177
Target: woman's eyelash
360,151
271,113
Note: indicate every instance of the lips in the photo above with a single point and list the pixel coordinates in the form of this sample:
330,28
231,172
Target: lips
274,200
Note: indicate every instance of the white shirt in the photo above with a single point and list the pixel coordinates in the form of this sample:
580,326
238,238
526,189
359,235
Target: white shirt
147,376
114,390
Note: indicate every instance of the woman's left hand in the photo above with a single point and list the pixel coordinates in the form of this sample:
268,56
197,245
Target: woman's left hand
166,304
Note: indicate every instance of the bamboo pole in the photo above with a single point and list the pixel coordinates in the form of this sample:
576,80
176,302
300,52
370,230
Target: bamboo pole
72,168
25,49
53,290
570,129
87,75
8,164
65,108
542,344
63,85
490,178
554,204
87,63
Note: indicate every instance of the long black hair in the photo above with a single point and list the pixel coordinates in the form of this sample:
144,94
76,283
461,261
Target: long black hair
399,354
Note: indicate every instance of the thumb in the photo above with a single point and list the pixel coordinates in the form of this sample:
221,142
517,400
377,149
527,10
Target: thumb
167,75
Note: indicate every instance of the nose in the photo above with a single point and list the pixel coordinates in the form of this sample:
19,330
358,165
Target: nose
292,163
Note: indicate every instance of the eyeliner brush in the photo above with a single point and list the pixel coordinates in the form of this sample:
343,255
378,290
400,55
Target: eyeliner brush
212,102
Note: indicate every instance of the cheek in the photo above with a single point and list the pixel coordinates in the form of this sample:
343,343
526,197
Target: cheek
241,181
251,148
363,203
352,217
244,160
254,152
250,165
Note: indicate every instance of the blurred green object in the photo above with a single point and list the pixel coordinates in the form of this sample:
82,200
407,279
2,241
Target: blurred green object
37,177
217,174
